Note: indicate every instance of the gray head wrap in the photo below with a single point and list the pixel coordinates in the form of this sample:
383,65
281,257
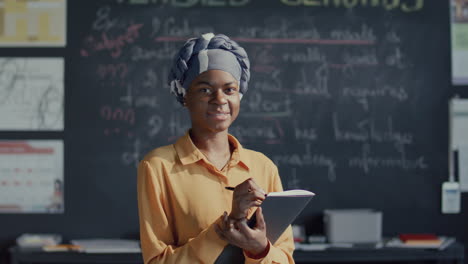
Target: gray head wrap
208,52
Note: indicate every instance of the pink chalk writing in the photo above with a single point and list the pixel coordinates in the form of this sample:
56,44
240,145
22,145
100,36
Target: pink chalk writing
118,114
114,45
112,71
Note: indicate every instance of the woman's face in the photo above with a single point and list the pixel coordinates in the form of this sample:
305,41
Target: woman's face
213,101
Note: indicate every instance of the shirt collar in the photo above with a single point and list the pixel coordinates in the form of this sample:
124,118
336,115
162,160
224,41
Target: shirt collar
239,155
188,153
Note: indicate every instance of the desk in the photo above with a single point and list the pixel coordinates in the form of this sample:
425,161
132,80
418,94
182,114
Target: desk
453,254
19,256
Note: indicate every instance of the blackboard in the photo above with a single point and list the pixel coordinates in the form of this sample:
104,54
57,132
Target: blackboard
349,98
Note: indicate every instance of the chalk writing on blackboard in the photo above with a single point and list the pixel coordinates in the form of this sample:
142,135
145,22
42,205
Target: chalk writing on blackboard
366,130
308,158
293,181
314,89
367,160
363,95
113,45
405,6
190,3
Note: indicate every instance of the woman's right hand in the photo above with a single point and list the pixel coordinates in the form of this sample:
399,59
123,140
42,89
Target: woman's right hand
246,195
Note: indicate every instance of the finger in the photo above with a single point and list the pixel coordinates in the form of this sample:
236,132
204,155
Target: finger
244,228
246,207
260,220
248,180
219,231
254,186
246,204
228,225
244,186
257,195
233,235
245,183
225,221
250,189
255,203
230,234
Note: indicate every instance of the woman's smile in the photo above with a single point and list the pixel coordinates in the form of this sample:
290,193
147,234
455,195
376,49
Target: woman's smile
218,115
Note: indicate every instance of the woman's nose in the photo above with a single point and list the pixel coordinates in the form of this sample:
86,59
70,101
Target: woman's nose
219,97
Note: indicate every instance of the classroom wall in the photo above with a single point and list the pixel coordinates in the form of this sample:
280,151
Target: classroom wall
348,98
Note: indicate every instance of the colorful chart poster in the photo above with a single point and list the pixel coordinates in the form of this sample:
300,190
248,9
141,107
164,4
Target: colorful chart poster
33,23
459,29
31,94
31,176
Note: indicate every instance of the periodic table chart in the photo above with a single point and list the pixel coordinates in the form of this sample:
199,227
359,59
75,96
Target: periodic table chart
31,176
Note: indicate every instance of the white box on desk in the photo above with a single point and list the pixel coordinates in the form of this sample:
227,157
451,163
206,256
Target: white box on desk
353,225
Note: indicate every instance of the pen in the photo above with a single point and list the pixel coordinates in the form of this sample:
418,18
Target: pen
232,189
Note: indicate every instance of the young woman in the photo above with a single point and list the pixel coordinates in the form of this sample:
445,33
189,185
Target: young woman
186,213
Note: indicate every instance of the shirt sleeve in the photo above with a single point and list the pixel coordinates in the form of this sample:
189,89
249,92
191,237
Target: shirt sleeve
158,240
281,252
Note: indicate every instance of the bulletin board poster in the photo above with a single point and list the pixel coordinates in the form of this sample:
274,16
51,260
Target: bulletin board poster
31,176
459,29
32,23
459,140
31,94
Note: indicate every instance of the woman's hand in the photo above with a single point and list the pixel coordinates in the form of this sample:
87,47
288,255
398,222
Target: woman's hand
238,233
246,195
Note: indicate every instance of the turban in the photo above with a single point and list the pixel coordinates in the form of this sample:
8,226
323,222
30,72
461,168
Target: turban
208,52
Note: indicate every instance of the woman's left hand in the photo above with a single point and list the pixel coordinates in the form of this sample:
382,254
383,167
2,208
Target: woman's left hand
238,233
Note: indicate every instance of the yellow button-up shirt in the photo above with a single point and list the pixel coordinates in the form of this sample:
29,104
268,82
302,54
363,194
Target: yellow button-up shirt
181,196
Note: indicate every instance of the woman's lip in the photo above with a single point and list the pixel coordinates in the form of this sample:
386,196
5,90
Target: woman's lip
218,113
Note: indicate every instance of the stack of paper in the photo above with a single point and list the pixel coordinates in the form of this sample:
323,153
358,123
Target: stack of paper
420,239
441,243
61,248
38,240
311,247
108,245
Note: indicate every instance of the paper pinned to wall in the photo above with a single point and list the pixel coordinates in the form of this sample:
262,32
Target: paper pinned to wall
31,94
463,167
459,122
459,139
31,176
459,31
33,23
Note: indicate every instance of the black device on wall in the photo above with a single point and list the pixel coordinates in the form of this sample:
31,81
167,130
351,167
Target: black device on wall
348,98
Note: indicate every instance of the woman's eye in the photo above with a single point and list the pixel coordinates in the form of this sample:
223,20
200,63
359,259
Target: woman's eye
231,90
204,90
